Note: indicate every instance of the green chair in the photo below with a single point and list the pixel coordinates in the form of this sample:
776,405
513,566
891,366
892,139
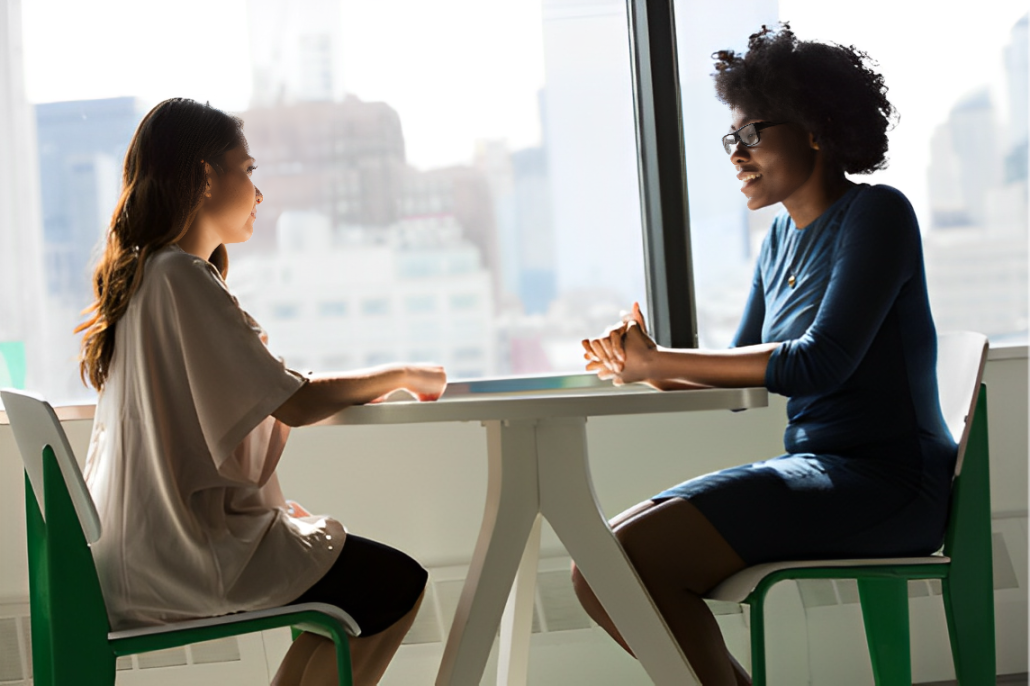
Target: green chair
72,641
964,568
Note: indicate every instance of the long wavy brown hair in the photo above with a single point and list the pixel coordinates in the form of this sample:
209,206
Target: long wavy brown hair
163,187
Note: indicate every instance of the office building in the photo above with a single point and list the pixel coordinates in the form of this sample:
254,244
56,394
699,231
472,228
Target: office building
346,161
336,297
82,148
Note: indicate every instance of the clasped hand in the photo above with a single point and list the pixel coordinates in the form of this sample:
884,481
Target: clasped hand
624,352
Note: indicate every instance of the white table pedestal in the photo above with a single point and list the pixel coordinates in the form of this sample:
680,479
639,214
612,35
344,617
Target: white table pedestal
539,467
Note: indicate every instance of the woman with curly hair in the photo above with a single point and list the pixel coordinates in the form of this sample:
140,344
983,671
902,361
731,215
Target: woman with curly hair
194,412
837,319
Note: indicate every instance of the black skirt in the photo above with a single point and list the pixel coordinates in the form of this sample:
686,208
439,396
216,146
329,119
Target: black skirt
373,583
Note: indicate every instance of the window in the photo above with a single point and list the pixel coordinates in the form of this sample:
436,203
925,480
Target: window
506,189
379,357
959,152
466,354
423,355
374,307
333,308
337,363
285,311
420,304
464,302
395,168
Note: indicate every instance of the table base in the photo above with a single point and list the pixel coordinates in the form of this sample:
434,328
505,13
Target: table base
540,468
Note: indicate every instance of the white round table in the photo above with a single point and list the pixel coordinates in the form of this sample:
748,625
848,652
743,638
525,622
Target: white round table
539,467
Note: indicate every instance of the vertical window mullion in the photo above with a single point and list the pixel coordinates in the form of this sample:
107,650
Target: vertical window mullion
662,173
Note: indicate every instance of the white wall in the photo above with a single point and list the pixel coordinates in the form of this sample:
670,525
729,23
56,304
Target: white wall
422,489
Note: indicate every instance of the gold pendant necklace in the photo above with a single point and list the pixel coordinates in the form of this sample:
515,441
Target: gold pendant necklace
792,270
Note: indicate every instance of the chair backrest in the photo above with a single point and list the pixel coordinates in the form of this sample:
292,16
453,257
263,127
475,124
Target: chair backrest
961,357
66,604
35,425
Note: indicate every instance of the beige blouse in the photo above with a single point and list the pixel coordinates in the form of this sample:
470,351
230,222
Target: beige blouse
182,459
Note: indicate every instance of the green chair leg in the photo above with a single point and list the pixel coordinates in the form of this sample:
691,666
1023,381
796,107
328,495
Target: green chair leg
885,612
970,614
343,664
969,588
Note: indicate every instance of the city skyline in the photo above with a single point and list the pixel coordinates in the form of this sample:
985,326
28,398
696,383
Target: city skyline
553,223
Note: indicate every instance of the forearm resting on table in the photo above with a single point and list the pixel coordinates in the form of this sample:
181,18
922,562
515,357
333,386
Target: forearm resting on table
673,384
672,368
325,395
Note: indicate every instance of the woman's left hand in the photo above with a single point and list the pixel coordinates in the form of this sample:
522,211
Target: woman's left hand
637,348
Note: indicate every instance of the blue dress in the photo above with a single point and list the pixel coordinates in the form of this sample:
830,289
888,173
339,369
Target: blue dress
869,458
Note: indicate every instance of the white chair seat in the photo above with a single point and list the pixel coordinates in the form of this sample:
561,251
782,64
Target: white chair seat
739,586
349,625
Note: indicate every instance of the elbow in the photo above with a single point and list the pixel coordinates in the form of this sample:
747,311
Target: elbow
290,417
797,372
297,410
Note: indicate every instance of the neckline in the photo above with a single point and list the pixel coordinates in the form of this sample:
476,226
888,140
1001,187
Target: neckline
826,213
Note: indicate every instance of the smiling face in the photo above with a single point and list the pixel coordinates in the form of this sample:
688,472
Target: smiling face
231,199
774,170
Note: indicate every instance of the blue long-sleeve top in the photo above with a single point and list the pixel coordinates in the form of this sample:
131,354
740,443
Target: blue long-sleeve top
859,347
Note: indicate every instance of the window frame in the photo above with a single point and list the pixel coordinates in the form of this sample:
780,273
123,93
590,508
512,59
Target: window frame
662,173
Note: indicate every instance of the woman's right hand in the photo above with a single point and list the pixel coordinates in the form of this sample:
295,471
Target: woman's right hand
425,381
610,349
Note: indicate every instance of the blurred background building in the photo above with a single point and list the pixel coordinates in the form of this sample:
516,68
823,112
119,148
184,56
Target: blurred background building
81,148
547,233
976,248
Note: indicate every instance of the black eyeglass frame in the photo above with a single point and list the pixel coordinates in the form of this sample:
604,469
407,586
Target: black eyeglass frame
732,139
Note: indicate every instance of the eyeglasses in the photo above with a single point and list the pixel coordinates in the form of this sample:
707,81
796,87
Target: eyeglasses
746,135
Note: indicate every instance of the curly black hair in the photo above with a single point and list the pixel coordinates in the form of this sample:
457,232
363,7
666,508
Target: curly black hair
829,89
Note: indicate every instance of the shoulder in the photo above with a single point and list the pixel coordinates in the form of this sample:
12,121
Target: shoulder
881,195
884,201
172,273
172,265
883,211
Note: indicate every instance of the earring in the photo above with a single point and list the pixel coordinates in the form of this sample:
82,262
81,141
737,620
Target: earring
815,146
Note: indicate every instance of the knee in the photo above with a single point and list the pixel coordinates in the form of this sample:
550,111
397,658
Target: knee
631,541
580,586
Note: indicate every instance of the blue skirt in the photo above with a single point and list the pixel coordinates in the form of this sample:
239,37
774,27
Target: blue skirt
883,503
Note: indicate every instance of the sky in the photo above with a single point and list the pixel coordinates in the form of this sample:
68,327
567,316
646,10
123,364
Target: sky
462,70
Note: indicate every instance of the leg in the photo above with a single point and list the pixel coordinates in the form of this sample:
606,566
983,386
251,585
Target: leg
382,589
568,502
311,660
371,655
587,598
677,583
291,670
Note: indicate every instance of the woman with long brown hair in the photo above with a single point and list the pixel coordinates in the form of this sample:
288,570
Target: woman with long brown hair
194,411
